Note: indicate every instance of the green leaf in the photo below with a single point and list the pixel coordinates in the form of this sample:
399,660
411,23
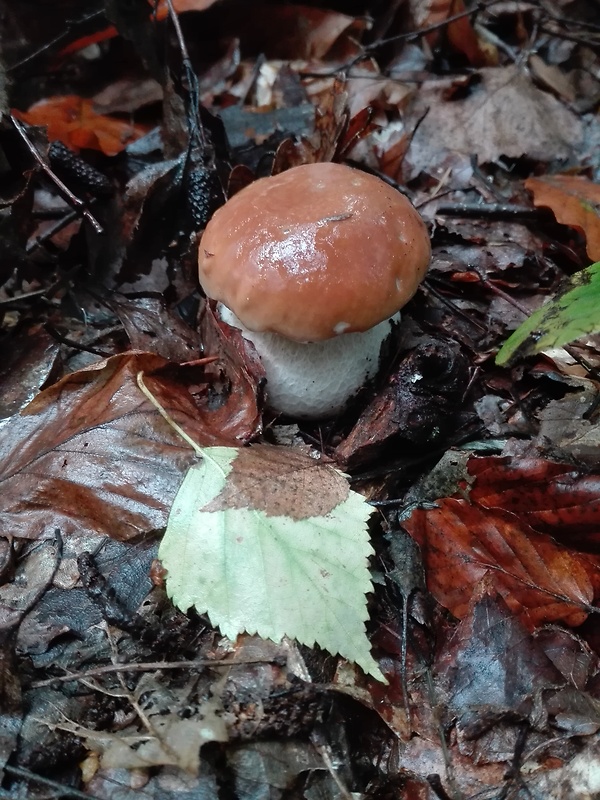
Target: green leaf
574,313
270,541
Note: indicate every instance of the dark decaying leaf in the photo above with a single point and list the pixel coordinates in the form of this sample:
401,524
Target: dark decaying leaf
571,655
154,328
502,686
92,453
416,406
237,376
32,576
272,764
10,699
30,362
55,631
493,665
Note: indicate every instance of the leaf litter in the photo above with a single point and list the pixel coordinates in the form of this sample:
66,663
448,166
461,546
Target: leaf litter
492,659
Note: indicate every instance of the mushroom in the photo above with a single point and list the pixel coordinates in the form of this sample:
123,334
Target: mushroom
312,265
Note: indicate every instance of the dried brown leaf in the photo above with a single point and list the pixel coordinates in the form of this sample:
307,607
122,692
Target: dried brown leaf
281,481
493,663
574,200
503,114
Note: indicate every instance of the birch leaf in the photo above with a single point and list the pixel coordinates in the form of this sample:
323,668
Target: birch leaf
270,541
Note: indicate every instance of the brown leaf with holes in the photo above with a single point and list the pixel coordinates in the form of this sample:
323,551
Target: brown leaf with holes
575,201
282,482
540,580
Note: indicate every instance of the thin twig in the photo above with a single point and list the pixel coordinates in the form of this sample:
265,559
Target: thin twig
177,428
149,666
52,231
489,211
64,790
427,286
501,293
72,199
411,35
193,88
84,348
15,302
406,37
64,35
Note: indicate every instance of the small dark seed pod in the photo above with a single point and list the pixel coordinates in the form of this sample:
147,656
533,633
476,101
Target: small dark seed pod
204,194
74,170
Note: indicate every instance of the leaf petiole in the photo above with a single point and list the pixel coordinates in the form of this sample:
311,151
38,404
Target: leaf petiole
188,439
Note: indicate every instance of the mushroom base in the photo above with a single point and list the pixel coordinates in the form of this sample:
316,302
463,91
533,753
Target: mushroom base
315,379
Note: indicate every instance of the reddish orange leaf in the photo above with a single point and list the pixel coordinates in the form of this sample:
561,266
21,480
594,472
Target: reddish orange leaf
73,121
460,33
574,201
87,41
551,497
539,580
465,40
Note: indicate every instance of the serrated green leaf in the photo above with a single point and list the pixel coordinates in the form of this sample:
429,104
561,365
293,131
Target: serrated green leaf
274,575
574,313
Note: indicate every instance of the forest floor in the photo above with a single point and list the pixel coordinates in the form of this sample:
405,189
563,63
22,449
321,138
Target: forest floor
123,128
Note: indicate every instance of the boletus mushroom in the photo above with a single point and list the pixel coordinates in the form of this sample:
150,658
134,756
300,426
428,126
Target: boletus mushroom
312,265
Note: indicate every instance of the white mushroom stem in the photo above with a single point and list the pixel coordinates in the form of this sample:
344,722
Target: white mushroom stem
315,379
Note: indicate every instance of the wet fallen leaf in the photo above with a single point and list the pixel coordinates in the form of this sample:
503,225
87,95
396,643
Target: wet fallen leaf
575,201
540,580
90,453
494,665
26,367
514,507
551,497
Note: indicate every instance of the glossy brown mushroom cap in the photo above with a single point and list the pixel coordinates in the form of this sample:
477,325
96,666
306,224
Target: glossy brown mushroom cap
317,251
